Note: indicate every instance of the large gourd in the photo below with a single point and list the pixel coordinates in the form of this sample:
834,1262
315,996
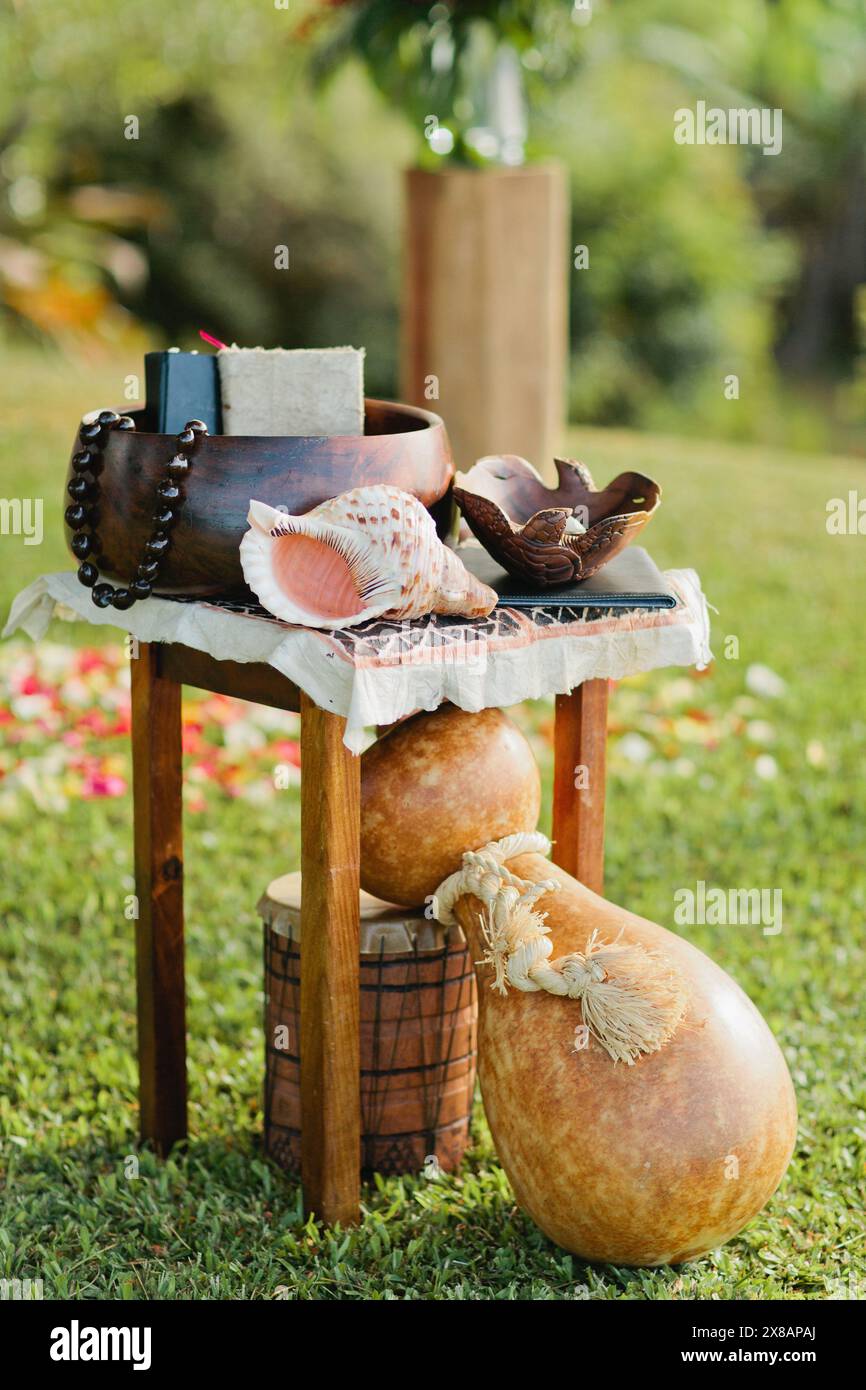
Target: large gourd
650,1159
417,807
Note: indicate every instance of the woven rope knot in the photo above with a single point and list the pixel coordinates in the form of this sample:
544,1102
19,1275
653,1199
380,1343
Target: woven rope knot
581,973
632,999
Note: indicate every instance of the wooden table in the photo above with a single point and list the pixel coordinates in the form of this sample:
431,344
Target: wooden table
330,835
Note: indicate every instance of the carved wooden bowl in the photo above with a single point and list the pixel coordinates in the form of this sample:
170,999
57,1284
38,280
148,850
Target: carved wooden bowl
527,526
401,445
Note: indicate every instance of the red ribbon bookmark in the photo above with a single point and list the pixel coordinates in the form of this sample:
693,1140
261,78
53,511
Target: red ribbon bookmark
214,342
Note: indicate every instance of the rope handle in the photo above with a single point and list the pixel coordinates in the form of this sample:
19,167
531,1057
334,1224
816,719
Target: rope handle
632,998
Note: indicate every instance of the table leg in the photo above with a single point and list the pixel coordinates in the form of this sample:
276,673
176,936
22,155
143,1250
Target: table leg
330,968
157,809
580,741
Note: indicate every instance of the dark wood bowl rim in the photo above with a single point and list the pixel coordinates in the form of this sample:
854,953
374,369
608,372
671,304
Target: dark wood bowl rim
412,417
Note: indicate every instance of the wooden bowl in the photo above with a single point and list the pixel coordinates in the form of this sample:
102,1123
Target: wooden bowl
523,523
401,445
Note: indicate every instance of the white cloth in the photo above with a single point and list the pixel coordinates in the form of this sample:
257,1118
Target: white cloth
382,671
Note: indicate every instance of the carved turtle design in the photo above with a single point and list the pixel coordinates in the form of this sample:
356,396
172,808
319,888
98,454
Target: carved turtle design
552,536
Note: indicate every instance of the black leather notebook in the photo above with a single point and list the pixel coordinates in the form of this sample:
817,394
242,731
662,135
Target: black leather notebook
182,386
630,580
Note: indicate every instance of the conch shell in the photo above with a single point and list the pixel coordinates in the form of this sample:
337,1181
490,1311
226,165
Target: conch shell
369,553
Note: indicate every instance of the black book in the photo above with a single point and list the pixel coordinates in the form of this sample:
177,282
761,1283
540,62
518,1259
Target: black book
182,386
630,580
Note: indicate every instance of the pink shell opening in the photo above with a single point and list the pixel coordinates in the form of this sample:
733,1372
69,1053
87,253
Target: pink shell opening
315,577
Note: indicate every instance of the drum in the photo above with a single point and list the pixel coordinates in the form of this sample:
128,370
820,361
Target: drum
418,1011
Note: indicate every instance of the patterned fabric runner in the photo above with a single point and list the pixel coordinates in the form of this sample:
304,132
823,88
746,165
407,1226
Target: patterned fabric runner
381,671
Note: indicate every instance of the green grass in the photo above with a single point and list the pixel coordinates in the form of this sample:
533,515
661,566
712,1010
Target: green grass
217,1220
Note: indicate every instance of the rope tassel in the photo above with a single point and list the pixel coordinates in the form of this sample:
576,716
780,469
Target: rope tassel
632,999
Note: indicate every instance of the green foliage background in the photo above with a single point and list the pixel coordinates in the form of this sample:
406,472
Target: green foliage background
704,261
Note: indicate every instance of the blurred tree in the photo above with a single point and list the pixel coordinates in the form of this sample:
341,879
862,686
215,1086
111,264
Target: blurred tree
703,261
182,222
813,67
459,70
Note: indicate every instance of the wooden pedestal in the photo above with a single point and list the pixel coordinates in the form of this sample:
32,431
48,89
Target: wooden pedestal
485,302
